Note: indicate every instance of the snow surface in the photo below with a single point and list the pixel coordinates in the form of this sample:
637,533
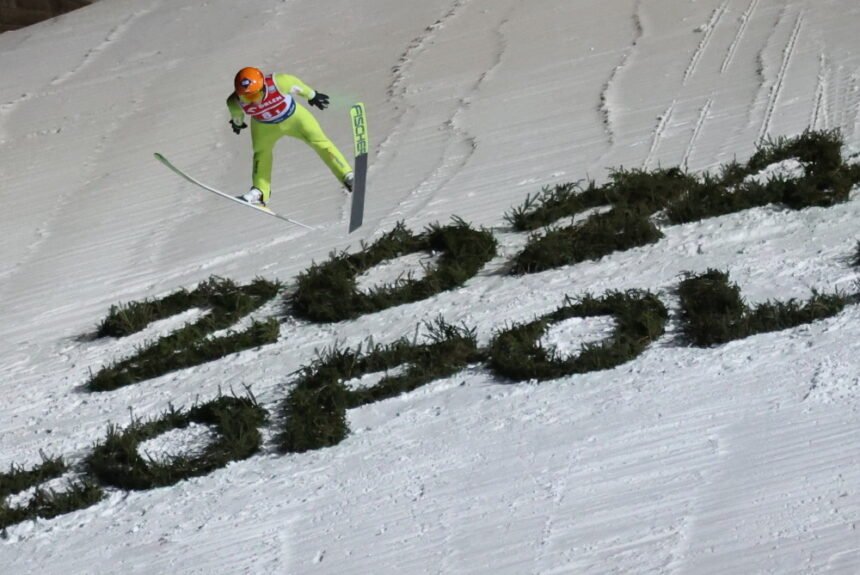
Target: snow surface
744,458
567,337
787,169
391,272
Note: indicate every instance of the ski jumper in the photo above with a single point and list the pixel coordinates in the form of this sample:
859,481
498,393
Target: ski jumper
278,115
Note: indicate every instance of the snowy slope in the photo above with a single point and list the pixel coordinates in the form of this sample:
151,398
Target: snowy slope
744,458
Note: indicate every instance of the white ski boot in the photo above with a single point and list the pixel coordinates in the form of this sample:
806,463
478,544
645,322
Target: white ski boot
253,197
347,182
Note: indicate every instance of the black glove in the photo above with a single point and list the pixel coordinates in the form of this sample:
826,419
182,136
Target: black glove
319,100
236,127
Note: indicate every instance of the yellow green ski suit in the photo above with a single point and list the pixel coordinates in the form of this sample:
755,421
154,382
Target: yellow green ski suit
301,124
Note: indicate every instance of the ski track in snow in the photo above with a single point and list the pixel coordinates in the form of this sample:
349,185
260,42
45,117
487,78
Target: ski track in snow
51,90
606,107
761,68
700,123
839,91
760,58
819,118
397,94
90,165
733,47
461,144
776,89
6,110
847,115
749,111
706,41
664,120
397,89
91,55
43,231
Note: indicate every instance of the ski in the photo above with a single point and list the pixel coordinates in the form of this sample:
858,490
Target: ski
359,134
196,182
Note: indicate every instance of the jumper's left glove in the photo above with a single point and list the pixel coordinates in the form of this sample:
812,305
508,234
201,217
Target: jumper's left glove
319,100
237,127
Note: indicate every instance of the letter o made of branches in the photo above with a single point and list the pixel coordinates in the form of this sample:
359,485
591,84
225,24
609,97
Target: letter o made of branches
328,292
640,318
117,462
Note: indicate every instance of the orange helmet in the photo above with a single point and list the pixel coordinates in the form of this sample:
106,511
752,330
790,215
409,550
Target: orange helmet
249,82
